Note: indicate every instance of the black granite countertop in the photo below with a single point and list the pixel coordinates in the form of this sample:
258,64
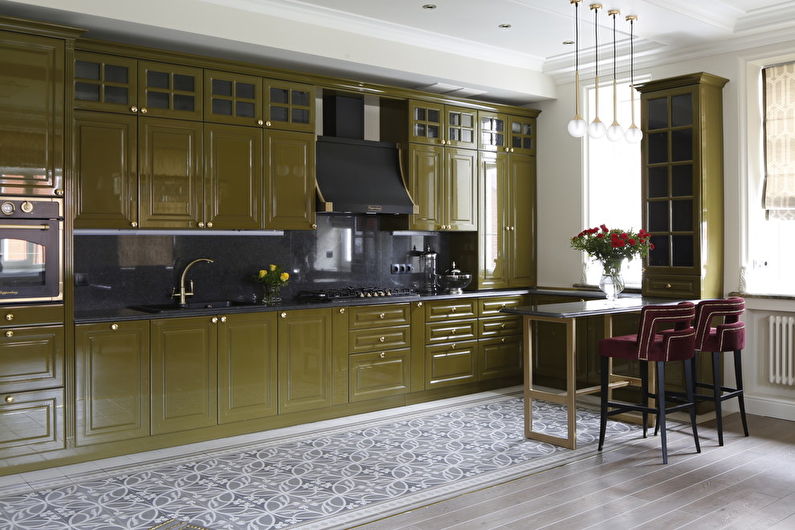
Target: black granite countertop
89,316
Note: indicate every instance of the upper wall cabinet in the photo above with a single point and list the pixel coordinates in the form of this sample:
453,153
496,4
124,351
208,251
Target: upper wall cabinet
119,84
31,114
232,98
493,132
522,135
289,106
436,124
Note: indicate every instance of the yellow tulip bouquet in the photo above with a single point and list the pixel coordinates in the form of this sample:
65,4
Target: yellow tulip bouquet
273,279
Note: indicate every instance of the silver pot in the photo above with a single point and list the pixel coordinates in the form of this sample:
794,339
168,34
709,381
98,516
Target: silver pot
454,281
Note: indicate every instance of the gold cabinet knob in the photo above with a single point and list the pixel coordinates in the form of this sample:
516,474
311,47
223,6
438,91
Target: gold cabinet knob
9,333
453,309
452,331
133,109
210,224
314,226
507,150
260,122
442,142
144,110
134,224
452,346
382,316
419,304
59,192
267,123
9,399
342,310
382,354
114,327
667,285
283,315
511,149
200,224
502,339
10,316
502,326
223,319
214,320
381,339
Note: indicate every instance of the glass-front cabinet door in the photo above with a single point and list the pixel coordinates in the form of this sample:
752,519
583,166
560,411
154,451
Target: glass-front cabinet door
493,131
232,98
494,201
522,135
461,127
170,90
289,106
426,122
105,82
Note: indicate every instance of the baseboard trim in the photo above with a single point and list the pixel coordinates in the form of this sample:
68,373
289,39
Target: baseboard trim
773,408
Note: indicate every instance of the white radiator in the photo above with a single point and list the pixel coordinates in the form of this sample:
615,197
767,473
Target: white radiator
782,350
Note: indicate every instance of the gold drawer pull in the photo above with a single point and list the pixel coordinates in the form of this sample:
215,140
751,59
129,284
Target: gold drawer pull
260,122
283,315
133,224
10,316
133,109
9,399
382,355
452,346
214,320
114,327
667,285
9,333
381,339
452,331
502,326
419,304
144,110
502,339
342,310
453,309
382,316
223,319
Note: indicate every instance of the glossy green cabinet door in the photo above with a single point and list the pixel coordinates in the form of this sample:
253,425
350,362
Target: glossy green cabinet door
170,90
247,376
522,219
500,357
305,360
461,190
379,374
31,422
232,177
106,82
31,114
232,98
112,375
493,131
451,364
289,106
426,123
426,182
170,174
493,262
105,169
461,127
290,180
184,374
31,358
522,135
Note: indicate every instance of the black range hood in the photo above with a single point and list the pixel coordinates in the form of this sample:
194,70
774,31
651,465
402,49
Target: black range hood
360,176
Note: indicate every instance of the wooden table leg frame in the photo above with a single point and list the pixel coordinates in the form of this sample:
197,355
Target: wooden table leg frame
568,398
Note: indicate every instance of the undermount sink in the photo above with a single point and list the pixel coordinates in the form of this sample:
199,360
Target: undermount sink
160,308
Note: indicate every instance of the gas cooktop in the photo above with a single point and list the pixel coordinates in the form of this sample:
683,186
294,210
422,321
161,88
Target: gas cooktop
353,293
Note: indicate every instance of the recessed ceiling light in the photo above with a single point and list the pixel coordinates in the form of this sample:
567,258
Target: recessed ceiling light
568,42
429,6
504,26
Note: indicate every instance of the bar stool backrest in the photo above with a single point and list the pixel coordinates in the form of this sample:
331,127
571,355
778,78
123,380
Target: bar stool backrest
677,343
730,334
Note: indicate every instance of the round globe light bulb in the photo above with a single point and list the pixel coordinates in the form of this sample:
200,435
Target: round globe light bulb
596,129
633,134
615,132
577,127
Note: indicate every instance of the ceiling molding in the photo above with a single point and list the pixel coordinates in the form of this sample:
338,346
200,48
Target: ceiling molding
777,16
716,13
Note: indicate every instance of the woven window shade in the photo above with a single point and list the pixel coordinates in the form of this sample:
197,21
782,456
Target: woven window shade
779,84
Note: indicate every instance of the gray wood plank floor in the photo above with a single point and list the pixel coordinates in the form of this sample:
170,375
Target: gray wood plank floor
749,483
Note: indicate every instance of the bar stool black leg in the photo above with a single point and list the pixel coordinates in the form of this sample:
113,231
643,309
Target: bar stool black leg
691,398
717,383
738,376
693,365
644,392
661,408
603,379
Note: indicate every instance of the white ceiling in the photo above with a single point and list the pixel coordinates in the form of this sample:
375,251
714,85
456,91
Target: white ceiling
458,46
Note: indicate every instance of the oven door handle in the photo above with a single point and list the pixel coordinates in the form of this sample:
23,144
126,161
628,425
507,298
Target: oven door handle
24,227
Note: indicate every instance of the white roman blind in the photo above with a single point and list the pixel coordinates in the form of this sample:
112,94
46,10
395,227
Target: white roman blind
779,84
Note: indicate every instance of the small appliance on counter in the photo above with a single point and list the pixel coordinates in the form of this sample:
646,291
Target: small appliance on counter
453,281
428,260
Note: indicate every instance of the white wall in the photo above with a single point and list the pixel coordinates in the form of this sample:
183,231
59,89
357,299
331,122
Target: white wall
560,209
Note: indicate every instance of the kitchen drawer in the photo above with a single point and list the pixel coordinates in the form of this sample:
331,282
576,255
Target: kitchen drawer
15,316
363,340
500,357
448,309
31,358
488,307
379,316
31,422
671,286
450,364
379,374
452,330
499,326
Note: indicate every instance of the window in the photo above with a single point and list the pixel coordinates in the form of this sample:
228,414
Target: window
612,179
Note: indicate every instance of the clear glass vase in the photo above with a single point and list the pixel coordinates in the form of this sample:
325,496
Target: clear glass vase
272,294
611,283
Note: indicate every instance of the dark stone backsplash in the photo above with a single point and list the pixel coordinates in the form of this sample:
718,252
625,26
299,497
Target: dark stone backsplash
115,271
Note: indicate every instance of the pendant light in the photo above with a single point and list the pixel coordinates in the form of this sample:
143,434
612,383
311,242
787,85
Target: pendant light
633,134
577,126
596,129
615,132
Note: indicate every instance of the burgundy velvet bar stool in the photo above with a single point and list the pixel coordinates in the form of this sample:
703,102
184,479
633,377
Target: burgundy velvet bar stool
726,337
647,345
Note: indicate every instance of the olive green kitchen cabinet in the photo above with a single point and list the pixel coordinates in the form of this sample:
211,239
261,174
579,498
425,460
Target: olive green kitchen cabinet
290,180
492,131
147,88
443,184
232,177
31,114
682,185
499,357
184,354
507,209
31,422
289,106
305,360
436,124
247,367
112,370
106,170
522,135
31,358
232,98
379,374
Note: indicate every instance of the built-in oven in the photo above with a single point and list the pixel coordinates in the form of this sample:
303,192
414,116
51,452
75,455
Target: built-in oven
31,249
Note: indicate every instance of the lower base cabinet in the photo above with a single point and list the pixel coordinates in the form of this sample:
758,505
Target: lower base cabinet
451,364
379,374
112,374
499,357
31,422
